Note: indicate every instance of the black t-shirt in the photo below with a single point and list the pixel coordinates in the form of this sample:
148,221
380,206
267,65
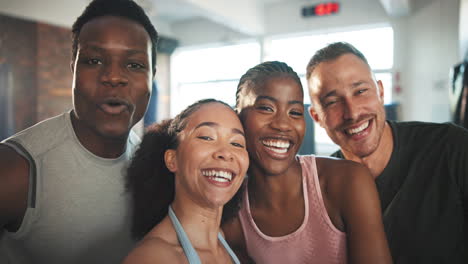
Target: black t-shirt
424,193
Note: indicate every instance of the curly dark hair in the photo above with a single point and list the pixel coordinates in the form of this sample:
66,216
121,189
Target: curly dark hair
257,75
121,8
150,182
330,52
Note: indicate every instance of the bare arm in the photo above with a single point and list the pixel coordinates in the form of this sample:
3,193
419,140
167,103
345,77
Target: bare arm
360,210
14,185
235,238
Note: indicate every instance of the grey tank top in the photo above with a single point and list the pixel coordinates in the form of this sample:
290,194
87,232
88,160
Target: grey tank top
184,241
78,209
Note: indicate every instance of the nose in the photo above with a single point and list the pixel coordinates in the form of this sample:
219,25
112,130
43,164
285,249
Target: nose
113,75
223,153
351,110
281,122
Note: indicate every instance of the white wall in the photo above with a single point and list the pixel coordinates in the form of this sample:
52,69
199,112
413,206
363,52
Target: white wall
463,30
426,47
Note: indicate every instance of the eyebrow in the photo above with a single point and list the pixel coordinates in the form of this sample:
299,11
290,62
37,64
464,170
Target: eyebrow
99,49
358,83
266,97
329,94
213,124
333,93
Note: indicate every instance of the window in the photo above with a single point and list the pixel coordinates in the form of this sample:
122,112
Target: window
209,73
376,44
214,72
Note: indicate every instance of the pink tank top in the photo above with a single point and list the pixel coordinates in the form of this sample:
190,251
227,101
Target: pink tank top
317,240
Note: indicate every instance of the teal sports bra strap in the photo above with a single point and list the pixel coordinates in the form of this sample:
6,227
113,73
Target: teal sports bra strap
184,241
228,249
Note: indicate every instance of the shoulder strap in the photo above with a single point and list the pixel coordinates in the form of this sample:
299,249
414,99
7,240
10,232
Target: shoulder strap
184,241
228,249
32,169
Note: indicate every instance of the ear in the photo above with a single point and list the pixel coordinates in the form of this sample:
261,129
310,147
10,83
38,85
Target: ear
381,90
314,115
170,160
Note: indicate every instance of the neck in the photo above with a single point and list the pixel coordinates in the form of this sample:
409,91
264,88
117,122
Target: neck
378,160
201,224
274,191
99,145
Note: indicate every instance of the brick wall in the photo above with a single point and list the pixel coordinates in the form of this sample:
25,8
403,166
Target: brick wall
54,76
38,56
18,41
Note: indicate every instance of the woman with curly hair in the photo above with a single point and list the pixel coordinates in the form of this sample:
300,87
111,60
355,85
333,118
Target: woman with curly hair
184,173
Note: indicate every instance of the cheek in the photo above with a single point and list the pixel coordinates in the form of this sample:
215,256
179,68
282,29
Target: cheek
142,90
249,122
244,161
331,117
141,99
300,128
251,126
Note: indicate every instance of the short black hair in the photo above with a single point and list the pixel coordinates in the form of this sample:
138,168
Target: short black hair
257,75
121,8
331,52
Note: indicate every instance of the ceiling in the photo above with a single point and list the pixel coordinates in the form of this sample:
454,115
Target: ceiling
244,16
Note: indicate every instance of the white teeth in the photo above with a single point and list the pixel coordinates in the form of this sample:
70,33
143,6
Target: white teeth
217,175
279,150
358,129
220,179
276,143
277,146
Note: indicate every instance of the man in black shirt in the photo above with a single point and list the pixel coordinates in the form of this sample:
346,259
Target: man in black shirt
421,169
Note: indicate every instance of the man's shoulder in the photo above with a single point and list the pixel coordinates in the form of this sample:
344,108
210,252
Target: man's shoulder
337,154
425,130
423,125
42,136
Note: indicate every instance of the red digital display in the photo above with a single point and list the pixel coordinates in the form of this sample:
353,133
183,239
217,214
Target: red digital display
326,9
322,9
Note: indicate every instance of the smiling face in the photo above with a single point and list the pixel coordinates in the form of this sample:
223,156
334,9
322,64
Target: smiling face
112,76
348,103
273,118
211,160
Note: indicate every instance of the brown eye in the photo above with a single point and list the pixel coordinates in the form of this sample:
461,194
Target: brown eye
135,66
207,138
265,108
235,144
296,113
361,91
93,61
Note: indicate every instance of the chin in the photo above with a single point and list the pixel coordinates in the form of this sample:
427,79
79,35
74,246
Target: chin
364,152
216,204
276,170
116,134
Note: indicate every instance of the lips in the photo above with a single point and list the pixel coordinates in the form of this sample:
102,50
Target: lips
114,106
